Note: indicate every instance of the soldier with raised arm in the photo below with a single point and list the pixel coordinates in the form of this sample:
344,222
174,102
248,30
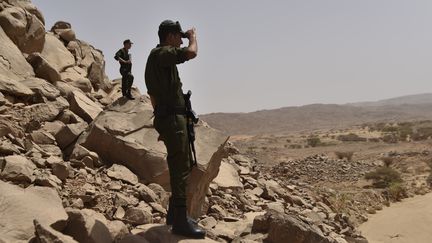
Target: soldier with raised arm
166,94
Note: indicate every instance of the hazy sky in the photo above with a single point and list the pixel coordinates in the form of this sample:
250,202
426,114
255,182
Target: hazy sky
267,54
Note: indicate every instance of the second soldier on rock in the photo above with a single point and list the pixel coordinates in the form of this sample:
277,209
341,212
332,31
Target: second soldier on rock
125,61
166,94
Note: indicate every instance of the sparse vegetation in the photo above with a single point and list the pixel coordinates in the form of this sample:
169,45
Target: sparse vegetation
384,177
351,137
295,146
313,141
397,191
344,155
388,161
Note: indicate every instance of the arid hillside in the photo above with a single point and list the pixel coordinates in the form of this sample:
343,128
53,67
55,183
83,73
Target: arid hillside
322,116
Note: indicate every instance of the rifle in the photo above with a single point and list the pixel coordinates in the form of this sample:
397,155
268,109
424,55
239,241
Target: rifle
191,120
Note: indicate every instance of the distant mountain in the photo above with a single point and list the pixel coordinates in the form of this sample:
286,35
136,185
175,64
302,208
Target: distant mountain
322,116
402,100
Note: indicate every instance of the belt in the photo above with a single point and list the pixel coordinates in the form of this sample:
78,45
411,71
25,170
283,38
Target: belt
165,110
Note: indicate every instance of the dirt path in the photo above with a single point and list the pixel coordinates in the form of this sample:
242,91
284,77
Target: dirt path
405,222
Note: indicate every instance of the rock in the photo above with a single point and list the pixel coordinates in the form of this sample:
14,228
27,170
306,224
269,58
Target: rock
228,177
42,87
80,152
61,170
96,75
117,230
137,216
13,65
87,225
120,213
67,35
14,88
18,169
287,228
208,223
162,195
147,194
68,117
3,101
84,107
276,206
69,133
73,74
122,173
157,233
42,137
60,25
19,207
7,148
45,178
46,234
66,89
43,68
53,127
56,53
24,29
83,84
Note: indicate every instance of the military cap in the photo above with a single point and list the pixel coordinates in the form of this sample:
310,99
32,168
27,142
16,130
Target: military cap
127,42
169,26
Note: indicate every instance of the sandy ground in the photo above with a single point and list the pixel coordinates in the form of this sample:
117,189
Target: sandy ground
406,222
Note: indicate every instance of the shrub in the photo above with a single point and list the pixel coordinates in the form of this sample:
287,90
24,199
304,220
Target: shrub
390,138
341,155
295,146
313,141
374,140
387,161
351,137
383,177
397,191
422,133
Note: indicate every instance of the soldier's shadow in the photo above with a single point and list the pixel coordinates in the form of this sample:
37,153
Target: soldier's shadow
162,234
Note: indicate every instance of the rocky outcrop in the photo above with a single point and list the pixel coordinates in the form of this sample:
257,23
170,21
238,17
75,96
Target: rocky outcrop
13,65
24,28
56,54
124,134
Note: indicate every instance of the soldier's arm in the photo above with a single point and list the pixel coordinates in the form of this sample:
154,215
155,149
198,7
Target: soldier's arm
192,49
118,57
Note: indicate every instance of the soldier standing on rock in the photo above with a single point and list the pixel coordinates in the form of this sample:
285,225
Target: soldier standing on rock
125,61
166,94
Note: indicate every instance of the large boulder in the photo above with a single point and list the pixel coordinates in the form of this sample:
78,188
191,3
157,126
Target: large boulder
88,226
13,65
124,134
42,87
27,5
23,28
17,168
56,53
287,228
46,234
83,106
19,207
14,88
42,68
228,177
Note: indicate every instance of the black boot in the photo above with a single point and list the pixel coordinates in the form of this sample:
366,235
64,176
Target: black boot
170,214
129,96
182,226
